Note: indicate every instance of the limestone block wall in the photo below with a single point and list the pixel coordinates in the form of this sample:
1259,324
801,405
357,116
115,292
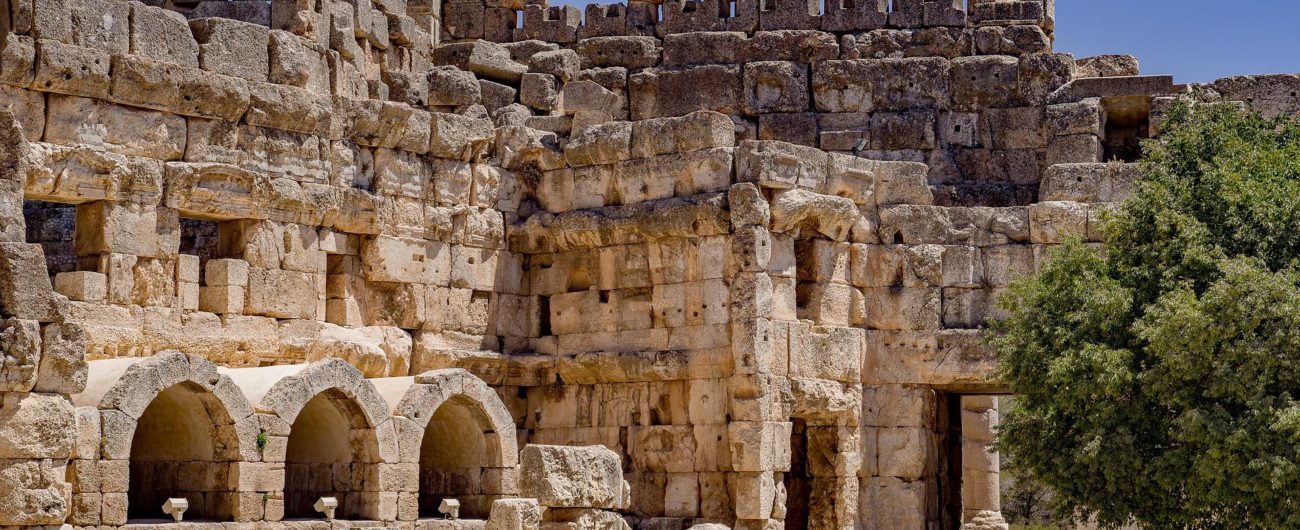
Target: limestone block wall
745,247
150,204
915,81
249,187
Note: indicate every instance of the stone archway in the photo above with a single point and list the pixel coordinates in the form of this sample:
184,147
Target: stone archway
467,448
177,427
334,446
177,451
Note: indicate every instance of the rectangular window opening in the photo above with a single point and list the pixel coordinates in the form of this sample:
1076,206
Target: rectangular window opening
1128,122
52,225
201,238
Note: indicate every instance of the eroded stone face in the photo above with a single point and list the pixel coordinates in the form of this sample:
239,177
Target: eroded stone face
572,477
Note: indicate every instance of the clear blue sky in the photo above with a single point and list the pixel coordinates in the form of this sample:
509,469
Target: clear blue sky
1195,40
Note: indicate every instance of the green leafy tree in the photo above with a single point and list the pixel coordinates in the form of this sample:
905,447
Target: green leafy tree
1158,379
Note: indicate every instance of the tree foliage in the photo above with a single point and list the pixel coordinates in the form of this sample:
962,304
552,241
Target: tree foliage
1159,378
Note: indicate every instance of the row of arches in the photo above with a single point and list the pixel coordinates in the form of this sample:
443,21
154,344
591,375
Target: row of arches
265,443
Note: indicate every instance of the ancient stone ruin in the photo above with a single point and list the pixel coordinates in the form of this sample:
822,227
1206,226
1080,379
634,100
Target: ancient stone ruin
697,262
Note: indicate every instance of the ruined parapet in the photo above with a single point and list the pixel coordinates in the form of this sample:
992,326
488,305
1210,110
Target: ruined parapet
924,83
356,49
504,22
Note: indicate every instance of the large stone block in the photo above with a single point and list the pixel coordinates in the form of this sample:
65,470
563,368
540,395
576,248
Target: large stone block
903,308
289,108
119,129
299,62
811,347
284,294
864,85
100,24
36,426
74,70
300,157
493,62
572,477
34,492
705,47
759,446
775,86
234,48
540,91
25,288
20,346
658,92
800,46
607,143
18,61
459,137
449,85
179,89
1052,222
1088,183
781,165
755,494
896,503
515,514
116,227
28,106
907,130
162,35
63,367
626,52
985,81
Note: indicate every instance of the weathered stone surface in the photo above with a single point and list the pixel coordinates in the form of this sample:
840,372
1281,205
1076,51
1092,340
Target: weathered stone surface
293,60
63,367
1088,183
515,514
775,86
705,47
1108,66
74,70
626,52
572,477
233,48
452,86
36,426
162,35
22,354
36,492
129,131
459,138
25,289
656,92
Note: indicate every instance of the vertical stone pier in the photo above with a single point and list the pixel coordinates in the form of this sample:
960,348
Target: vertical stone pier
980,489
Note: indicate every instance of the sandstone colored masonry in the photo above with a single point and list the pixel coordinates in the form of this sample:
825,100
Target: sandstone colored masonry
697,263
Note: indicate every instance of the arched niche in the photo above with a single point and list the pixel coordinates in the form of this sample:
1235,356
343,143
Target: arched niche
178,427
467,442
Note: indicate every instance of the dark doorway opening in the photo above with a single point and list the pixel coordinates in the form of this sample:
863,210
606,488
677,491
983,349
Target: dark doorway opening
949,440
798,481
1128,122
